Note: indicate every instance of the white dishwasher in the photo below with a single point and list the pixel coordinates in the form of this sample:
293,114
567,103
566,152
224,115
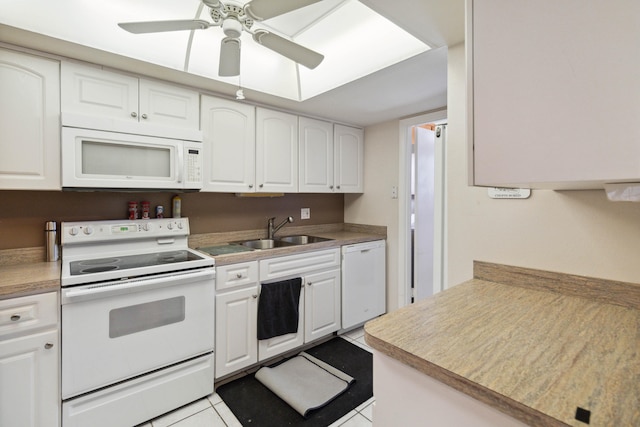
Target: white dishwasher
363,282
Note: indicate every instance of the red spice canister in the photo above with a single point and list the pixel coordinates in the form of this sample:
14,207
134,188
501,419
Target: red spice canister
133,210
145,210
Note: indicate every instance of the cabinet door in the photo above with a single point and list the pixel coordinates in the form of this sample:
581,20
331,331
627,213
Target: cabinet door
277,345
168,105
29,122
349,159
89,91
555,103
276,151
29,380
229,145
236,330
322,304
316,156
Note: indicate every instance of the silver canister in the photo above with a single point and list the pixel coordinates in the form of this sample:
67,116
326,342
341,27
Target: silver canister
51,241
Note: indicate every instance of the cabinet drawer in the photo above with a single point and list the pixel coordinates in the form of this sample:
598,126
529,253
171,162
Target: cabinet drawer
28,313
229,276
297,265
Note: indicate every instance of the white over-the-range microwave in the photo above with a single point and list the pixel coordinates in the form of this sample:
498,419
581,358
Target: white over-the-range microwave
95,159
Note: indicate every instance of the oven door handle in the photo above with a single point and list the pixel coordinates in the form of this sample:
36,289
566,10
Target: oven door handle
122,287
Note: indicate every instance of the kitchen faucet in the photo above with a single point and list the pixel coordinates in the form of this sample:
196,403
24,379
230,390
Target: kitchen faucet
271,229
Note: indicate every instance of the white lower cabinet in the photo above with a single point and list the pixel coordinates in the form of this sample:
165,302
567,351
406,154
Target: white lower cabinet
236,317
29,361
237,345
321,304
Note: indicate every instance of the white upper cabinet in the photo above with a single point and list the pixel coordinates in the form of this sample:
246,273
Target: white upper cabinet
95,98
29,122
316,156
229,145
554,93
276,151
349,159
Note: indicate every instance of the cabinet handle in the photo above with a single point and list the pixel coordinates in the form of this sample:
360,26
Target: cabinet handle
250,185
48,345
239,275
331,187
144,116
15,317
134,114
338,187
309,283
254,296
261,185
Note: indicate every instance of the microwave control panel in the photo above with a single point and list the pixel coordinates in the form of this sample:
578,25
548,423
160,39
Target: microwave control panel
193,164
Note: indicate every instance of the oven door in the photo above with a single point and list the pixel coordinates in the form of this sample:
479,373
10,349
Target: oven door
114,331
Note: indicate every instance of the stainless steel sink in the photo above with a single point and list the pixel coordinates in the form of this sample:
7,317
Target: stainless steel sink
264,243
303,239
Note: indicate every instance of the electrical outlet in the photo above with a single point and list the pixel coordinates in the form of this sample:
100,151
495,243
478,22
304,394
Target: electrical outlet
305,213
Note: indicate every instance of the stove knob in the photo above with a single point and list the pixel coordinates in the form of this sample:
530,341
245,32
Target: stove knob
73,231
180,225
88,230
170,226
147,227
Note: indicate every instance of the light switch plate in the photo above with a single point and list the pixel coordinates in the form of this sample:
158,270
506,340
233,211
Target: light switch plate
305,213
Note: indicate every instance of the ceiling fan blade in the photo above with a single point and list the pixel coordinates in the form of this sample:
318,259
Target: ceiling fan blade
161,26
265,9
291,50
229,57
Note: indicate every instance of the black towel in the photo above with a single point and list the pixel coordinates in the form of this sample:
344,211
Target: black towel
278,308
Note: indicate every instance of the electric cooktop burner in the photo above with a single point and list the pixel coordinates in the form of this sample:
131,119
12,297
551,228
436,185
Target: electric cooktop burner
99,265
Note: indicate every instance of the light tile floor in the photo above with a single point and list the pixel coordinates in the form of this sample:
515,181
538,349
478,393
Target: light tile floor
213,412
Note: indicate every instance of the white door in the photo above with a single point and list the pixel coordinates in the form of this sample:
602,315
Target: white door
276,151
316,156
406,218
29,380
349,159
229,145
236,342
29,122
322,304
424,184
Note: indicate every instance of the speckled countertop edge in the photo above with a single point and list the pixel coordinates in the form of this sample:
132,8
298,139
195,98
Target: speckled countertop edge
532,353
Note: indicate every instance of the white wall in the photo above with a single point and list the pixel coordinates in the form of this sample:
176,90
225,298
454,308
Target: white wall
375,206
576,232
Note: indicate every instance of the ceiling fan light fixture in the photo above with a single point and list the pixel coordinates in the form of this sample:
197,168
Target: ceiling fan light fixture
229,57
232,27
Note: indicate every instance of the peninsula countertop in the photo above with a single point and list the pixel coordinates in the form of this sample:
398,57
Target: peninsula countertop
533,344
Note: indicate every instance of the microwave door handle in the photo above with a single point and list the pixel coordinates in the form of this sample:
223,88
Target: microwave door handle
180,156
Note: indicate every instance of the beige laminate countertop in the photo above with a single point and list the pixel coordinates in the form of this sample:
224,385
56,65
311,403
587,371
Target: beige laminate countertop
535,345
28,279
339,234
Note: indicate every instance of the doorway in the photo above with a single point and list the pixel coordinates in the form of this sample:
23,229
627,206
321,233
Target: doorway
422,207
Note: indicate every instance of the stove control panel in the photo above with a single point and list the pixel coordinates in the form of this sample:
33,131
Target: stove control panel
98,231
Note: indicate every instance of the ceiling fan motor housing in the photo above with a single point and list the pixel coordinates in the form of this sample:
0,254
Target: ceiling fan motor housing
232,27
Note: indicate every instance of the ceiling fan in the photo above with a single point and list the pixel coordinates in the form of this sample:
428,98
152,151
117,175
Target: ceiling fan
234,18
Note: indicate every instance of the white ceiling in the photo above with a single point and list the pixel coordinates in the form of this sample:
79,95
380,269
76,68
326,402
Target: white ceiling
410,87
